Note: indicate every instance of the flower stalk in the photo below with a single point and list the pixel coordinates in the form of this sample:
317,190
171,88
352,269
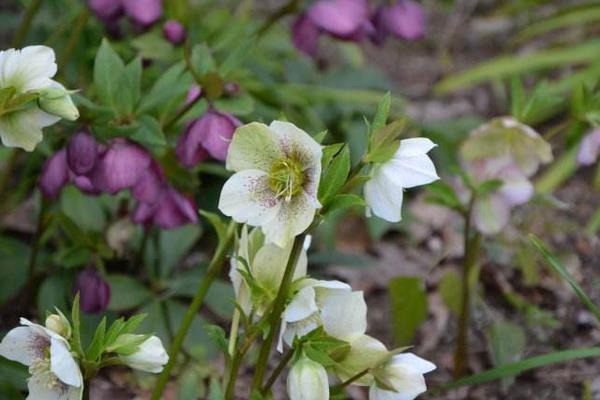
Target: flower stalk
214,269
275,315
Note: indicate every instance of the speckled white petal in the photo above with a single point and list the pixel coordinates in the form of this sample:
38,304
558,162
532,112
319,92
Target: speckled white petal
22,344
292,218
253,146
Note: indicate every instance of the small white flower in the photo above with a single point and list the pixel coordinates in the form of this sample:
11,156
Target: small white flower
29,71
266,263
409,167
55,375
278,168
307,380
151,356
331,304
404,373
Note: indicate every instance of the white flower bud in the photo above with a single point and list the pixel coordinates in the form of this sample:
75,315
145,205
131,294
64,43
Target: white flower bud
59,324
56,101
308,380
151,356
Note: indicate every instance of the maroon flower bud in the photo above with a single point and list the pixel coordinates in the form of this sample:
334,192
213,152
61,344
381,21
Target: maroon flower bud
120,166
55,174
305,35
405,19
210,133
106,10
82,152
150,185
94,292
171,210
143,13
174,32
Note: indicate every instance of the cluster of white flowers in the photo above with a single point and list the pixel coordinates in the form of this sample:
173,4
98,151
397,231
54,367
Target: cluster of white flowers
29,99
54,365
274,188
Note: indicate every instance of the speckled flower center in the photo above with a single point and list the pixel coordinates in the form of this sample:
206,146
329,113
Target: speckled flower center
286,178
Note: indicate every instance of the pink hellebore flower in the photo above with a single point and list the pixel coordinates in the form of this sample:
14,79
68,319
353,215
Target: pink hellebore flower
208,135
589,149
93,290
106,10
143,13
405,19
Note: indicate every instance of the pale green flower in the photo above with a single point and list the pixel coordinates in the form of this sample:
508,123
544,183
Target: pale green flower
307,380
278,168
150,357
29,99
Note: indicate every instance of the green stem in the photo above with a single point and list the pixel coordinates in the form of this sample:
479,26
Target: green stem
353,378
74,37
214,269
23,29
237,362
275,316
471,252
233,332
278,370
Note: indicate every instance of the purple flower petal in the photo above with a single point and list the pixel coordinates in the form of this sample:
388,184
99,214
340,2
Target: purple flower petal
82,152
174,32
193,94
120,167
150,185
405,20
589,149
55,174
305,35
94,291
175,210
189,150
106,10
342,18
143,12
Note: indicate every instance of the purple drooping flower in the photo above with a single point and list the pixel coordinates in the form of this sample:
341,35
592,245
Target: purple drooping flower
82,152
340,18
120,166
305,35
405,19
170,210
143,13
55,174
589,149
94,291
174,32
106,10
150,185
209,134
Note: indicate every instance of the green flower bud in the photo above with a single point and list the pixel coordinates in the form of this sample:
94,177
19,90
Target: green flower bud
308,380
57,101
58,323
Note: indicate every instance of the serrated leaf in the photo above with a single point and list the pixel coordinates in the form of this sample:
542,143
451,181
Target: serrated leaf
202,60
382,139
335,175
108,68
329,152
96,346
218,336
343,201
382,114
149,132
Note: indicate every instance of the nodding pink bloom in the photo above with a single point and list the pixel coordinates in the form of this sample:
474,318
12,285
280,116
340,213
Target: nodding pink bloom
208,135
405,19
143,13
174,32
150,185
94,291
82,152
119,166
55,174
305,35
589,149
170,210
106,10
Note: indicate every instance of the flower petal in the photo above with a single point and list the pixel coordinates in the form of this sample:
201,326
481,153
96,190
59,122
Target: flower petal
365,352
383,197
24,345
23,129
418,363
63,365
344,314
305,35
589,148
269,264
247,198
414,147
411,171
254,146
302,305
27,69
42,387
291,219
339,17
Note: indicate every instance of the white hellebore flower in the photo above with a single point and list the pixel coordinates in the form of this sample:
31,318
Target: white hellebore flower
403,373
150,357
278,168
331,304
265,262
307,380
25,75
409,167
55,375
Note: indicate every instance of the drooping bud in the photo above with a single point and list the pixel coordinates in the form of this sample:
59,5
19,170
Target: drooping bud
150,357
143,13
93,290
307,380
59,324
106,10
82,152
174,32
55,174
305,35
56,101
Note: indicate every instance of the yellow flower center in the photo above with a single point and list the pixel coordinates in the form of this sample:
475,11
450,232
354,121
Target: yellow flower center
286,178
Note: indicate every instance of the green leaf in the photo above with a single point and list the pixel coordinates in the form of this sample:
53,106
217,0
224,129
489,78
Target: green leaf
506,344
335,175
108,68
126,292
84,210
202,60
343,201
409,307
489,186
96,347
237,56
130,82
14,261
218,336
173,245
173,83
150,132
382,114
384,142
562,271
522,366
444,195
237,105
329,152
76,324
54,292
451,289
